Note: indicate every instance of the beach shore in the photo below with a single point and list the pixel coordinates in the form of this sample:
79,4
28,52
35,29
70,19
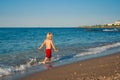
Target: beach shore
102,68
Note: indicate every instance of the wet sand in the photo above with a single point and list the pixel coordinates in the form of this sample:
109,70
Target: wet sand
102,68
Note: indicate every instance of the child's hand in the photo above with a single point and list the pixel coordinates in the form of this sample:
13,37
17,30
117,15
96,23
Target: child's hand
39,48
56,50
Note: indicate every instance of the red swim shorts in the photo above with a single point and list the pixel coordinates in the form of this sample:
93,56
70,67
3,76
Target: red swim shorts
48,53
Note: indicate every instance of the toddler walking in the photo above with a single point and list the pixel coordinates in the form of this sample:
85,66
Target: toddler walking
49,45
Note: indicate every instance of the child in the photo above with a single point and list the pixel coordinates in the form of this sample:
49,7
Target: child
49,45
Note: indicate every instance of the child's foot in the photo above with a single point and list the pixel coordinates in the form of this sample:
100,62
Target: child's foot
44,62
39,62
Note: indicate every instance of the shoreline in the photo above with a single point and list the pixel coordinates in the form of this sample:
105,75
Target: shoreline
101,68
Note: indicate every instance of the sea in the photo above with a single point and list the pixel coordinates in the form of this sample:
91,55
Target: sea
19,54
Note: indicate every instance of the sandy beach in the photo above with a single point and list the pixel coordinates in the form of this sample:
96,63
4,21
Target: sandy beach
102,68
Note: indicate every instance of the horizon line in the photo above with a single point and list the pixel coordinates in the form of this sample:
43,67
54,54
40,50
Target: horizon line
38,27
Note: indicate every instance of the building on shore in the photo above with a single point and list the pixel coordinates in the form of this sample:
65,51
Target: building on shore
116,23
110,24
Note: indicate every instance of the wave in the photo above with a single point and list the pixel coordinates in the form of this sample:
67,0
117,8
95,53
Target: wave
97,50
109,30
8,70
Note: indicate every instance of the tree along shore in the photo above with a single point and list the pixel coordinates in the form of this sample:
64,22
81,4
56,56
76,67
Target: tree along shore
101,26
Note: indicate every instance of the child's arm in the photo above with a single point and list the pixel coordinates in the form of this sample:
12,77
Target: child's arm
55,49
42,45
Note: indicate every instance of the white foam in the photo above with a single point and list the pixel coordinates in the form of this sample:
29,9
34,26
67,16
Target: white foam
97,50
56,58
4,71
107,30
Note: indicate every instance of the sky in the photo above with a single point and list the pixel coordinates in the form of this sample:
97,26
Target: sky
58,13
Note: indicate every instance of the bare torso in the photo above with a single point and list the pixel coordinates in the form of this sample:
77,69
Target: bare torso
48,44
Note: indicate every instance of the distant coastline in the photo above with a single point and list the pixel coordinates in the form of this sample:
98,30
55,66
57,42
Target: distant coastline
116,24
101,26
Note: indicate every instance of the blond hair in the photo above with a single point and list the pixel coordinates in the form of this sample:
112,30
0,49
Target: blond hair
49,36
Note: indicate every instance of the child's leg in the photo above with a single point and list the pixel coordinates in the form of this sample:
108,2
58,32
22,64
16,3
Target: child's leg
49,59
44,62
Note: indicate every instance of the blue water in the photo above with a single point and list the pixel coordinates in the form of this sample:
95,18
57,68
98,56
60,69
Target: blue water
18,46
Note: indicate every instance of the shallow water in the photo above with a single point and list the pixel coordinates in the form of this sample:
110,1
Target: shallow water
18,46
